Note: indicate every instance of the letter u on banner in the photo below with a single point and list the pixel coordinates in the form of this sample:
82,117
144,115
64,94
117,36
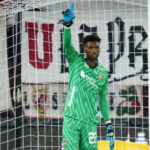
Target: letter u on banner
32,30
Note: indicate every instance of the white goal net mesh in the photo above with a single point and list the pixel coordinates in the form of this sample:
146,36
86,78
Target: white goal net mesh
34,70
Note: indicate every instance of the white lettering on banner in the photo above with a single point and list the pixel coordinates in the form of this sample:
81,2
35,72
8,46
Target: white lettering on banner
124,53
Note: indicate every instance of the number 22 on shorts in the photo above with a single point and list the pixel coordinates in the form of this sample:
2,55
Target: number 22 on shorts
92,137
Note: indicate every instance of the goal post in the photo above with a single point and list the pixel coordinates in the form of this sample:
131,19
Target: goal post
35,70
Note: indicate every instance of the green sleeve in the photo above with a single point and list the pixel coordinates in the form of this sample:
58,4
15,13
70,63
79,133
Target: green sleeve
70,51
103,101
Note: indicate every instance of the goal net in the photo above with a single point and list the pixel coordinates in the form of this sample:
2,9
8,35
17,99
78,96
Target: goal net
34,70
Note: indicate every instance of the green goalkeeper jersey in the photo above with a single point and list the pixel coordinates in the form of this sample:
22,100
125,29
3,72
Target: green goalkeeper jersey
87,87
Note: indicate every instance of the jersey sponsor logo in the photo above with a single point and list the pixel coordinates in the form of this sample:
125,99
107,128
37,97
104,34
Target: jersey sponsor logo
101,69
90,80
72,95
83,75
93,84
86,66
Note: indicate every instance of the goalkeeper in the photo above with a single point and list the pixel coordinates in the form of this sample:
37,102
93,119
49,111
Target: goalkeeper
88,83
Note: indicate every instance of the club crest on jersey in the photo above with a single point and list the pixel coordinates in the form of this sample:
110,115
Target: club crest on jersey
100,76
66,142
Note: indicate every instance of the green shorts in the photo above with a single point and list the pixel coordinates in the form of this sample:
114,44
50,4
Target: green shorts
77,134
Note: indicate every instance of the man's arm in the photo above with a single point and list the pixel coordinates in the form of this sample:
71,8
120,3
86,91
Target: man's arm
104,106
67,21
70,51
103,101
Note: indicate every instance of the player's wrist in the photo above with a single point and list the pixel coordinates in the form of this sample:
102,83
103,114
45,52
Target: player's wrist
107,122
109,126
68,24
67,27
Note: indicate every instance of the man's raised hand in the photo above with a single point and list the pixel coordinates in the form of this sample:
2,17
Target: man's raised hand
68,16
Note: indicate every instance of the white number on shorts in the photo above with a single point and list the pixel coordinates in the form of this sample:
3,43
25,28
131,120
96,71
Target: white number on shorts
92,137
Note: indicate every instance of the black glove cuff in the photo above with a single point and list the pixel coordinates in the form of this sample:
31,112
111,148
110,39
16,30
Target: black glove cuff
111,129
109,124
67,24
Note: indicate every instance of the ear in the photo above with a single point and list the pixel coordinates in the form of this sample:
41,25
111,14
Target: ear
85,49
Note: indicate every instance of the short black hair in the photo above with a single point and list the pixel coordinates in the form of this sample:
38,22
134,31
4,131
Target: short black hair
91,38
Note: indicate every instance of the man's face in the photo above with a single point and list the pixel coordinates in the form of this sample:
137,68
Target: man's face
92,50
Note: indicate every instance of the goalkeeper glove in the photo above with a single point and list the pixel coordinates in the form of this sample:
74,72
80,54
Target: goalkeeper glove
110,135
68,16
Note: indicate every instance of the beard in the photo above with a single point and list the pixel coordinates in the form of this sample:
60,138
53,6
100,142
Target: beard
93,57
